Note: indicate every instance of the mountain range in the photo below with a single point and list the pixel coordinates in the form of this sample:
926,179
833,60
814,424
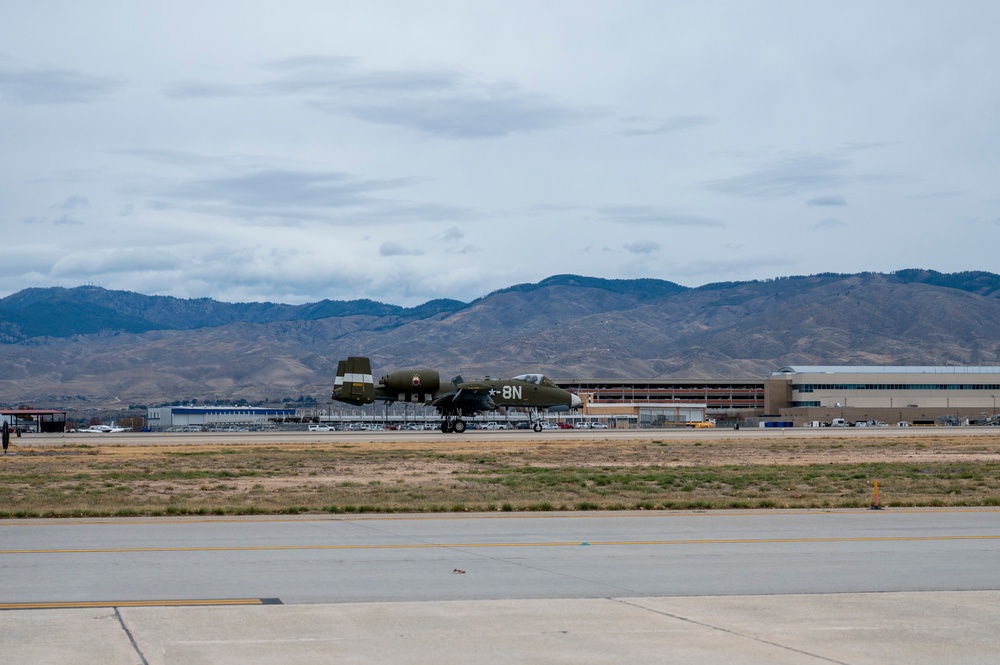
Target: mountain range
71,347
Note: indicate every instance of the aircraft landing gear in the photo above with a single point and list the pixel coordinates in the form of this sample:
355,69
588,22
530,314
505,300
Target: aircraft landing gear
456,426
534,420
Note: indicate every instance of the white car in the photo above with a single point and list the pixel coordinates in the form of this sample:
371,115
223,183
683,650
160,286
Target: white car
598,426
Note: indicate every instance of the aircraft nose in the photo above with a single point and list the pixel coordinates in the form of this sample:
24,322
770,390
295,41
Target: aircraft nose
574,402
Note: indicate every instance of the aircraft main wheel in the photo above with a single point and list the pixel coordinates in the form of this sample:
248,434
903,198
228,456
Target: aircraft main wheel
459,426
537,427
446,427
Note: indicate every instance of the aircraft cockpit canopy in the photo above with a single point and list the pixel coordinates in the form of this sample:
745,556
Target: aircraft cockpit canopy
537,379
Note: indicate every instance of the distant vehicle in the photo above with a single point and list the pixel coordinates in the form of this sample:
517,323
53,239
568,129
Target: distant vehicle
322,428
598,426
454,400
902,423
565,426
494,426
838,422
583,425
701,424
548,426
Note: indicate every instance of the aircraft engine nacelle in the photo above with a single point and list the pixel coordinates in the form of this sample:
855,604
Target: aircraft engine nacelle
412,382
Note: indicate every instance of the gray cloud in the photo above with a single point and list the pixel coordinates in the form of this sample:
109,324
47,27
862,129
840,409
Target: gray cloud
278,188
935,195
436,102
205,90
465,249
306,61
653,216
828,223
392,248
463,116
66,220
72,203
287,195
788,177
674,124
734,267
337,75
827,201
171,157
53,86
642,247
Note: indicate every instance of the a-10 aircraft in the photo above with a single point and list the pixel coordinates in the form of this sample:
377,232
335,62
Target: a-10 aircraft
453,399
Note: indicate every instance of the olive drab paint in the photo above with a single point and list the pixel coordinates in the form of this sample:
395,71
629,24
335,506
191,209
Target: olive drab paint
453,399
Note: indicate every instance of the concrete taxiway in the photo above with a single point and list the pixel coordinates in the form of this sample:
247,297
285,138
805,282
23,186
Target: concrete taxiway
488,436
854,586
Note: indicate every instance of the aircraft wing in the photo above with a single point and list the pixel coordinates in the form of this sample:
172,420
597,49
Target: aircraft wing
467,399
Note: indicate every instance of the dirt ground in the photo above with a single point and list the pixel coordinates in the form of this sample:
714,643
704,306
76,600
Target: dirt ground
404,473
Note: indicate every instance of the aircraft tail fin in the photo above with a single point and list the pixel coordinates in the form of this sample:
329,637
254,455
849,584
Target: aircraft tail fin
354,383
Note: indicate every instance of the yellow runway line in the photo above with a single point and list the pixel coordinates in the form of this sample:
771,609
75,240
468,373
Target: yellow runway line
137,603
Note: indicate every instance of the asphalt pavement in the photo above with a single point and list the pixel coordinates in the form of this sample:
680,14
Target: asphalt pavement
851,586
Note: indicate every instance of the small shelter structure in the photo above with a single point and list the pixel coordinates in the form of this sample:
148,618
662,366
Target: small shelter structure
34,420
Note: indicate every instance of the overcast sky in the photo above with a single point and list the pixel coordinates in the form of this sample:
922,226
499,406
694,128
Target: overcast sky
403,151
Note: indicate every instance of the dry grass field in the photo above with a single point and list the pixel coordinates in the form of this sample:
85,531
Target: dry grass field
394,474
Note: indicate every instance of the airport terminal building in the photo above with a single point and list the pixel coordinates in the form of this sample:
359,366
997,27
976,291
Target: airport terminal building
219,417
807,395
918,395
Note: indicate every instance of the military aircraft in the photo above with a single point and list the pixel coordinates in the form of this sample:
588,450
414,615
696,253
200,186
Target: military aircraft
453,399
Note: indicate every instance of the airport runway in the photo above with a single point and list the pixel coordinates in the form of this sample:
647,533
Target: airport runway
850,586
487,436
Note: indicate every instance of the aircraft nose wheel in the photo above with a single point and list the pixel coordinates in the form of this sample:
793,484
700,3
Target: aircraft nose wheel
537,427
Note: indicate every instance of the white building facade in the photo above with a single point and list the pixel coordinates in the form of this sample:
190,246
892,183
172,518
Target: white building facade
197,417
897,393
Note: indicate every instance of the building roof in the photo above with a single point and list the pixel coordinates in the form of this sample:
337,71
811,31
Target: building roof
888,369
249,410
